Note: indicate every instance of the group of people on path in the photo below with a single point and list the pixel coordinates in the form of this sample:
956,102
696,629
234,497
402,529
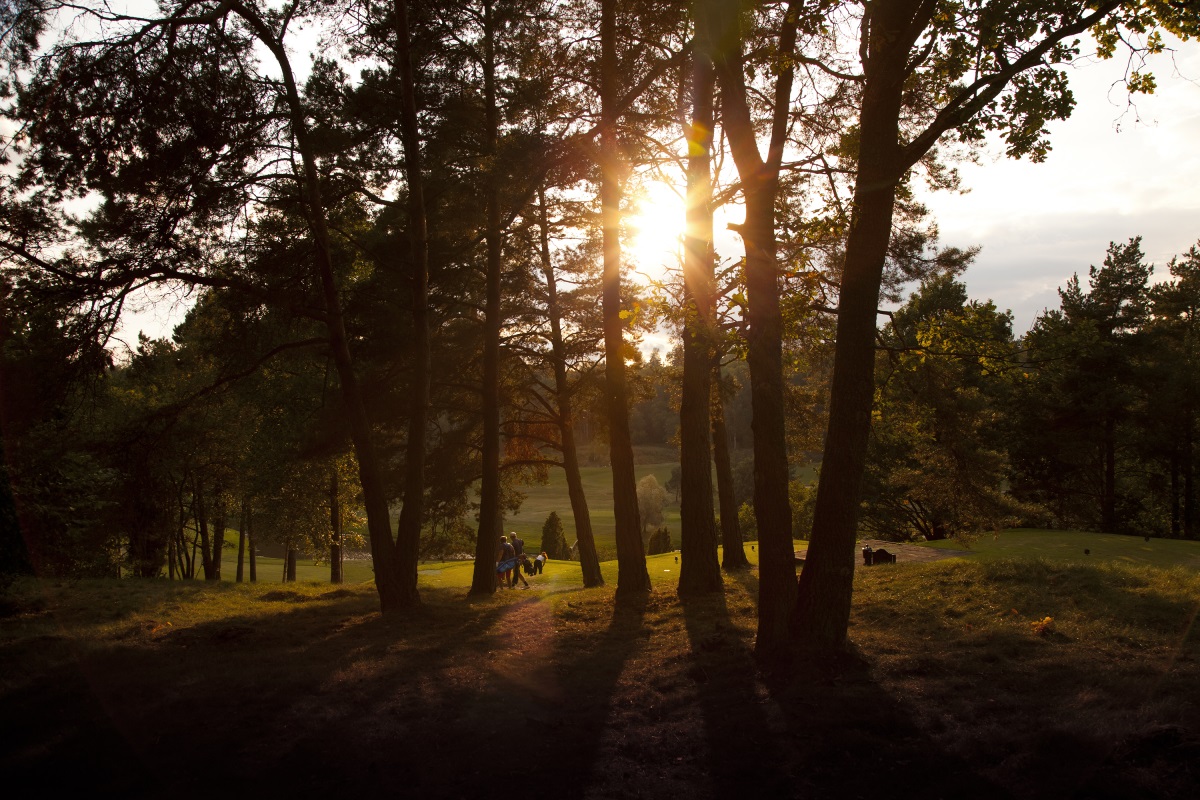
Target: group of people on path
511,559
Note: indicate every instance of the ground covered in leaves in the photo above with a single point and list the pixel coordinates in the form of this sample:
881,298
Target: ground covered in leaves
1003,679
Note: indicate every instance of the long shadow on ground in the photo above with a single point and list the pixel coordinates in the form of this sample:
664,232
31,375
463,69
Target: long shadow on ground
743,732
567,738
809,730
238,704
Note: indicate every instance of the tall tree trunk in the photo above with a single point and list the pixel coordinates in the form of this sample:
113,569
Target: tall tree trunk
632,577
200,512
589,560
335,529
699,570
181,553
734,552
289,565
171,559
826,583
1108,497
483,579
218,534
193,557
250,546
413,512
241,561
777,560
1176,506
397,590
1189,477
760,184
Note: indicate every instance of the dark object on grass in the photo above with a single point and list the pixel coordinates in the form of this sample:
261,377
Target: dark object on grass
866,553
882,556
1147,538
1087,552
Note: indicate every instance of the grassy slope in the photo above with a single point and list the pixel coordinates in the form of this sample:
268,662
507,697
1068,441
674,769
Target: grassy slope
1054,546
597,485
1069,546
303,688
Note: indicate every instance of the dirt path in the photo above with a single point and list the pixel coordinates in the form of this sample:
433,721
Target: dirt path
904,553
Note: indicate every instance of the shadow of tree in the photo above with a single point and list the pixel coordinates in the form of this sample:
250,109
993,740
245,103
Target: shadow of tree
570,735
562,693
746,750
809,729
248,701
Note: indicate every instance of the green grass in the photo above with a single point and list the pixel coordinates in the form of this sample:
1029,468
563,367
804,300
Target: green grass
1068,547
540,500
270,570
558,575
597,486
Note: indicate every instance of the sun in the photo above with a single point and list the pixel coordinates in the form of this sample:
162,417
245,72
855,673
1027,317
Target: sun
656,225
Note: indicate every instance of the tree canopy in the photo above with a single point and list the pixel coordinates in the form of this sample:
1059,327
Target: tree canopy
403,231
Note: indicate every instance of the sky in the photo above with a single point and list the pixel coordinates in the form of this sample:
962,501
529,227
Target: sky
1112,174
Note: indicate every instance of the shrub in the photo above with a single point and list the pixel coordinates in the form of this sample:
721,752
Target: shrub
747,522
803,500
554,542
660,542
651,497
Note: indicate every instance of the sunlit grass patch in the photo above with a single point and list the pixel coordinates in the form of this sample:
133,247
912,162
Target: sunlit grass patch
1079,547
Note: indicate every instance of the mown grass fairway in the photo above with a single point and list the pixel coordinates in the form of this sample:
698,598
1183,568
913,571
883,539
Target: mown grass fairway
1069,547
980,678
540,500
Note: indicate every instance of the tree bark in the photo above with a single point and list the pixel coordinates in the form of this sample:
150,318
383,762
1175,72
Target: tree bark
181,553
1189,477
734,552
826,583
250,546
289,565
632,576
412,513
200,513
241,561
777,561
483,580
218,535
335,530
699,570
589,560
760,185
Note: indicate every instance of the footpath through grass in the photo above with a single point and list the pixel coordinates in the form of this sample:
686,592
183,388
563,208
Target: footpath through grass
975,678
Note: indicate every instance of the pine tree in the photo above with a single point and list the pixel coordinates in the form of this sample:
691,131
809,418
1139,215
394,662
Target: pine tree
554,543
